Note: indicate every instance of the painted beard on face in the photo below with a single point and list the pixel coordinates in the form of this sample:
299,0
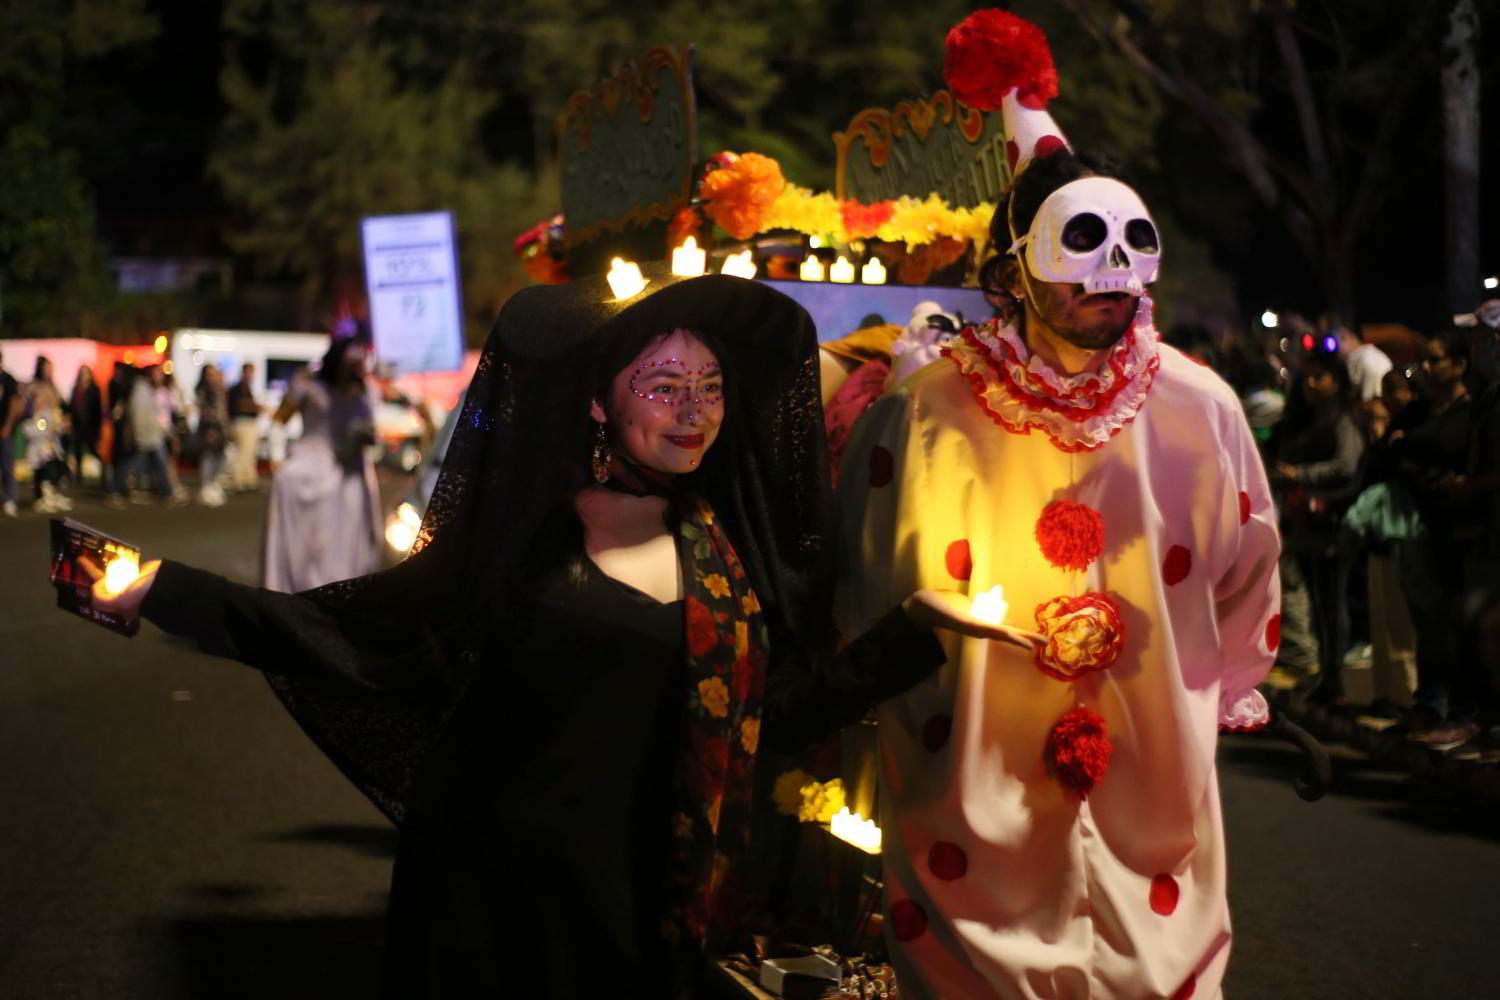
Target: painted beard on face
1090,322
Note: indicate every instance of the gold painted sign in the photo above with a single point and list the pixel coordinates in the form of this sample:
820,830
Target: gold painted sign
917,148
628,146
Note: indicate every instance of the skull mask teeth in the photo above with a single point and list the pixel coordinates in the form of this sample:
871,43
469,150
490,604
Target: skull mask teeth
1096,232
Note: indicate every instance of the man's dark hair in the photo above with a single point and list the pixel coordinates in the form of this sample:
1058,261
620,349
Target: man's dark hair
1040,178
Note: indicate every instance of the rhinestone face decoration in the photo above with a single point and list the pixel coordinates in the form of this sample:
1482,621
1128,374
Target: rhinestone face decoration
702,386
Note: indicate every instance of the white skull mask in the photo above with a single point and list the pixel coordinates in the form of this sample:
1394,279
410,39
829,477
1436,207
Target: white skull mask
1096,232
922,341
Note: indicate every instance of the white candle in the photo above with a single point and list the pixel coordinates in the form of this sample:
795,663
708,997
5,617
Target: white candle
741,265
119,573
842,271
812,269
873,273
625,278
990,606
688,260
855,829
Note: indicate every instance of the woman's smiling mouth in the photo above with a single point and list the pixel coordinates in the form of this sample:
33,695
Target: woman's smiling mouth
689,441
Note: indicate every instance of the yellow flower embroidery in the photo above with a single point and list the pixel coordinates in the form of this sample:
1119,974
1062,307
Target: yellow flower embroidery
750,603
717,585
708,515
715,696
741,638
750,734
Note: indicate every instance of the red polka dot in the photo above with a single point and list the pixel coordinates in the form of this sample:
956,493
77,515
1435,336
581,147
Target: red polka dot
947,861
882,467
908,919
1047,145
1177,565
1164,894
1244,507
960,561
1012,153
1030,99
1273,633
1186,989
936,730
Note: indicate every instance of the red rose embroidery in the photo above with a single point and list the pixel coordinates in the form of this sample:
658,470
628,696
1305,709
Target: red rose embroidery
702,634
1077,752
743,671
1071,535
707,765
1083,633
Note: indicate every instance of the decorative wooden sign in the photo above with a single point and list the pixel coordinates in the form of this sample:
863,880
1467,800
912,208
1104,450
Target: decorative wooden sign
628,146
933,145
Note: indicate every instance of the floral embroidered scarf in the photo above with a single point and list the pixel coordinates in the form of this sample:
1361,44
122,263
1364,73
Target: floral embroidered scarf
726,640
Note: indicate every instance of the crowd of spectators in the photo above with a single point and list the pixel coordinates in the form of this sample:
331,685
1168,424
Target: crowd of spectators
126,439
1387,477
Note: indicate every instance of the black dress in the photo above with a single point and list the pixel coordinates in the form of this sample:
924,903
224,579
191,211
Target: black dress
533,857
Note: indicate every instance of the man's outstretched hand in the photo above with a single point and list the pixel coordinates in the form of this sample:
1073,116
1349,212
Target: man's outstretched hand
949,609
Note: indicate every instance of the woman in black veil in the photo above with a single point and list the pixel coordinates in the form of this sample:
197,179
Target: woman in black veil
564,731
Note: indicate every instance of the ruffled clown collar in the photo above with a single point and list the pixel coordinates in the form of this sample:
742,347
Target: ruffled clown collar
1021,393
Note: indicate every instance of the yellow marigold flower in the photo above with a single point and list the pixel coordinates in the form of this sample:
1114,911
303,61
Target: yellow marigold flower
750,734
715,696
750,603
821,800
717,585
787,793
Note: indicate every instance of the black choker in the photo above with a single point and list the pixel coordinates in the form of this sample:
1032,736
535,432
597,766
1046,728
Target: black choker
631,479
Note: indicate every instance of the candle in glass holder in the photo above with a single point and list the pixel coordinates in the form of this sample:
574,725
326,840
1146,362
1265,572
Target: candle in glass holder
119,573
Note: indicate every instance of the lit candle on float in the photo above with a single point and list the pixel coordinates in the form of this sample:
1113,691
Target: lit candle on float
812,269
741,265
625,278
873,273
120,572
842,271
689,260
990,606
855,829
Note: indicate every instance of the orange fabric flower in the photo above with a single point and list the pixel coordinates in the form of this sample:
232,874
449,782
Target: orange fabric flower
862,221
715,696
739,195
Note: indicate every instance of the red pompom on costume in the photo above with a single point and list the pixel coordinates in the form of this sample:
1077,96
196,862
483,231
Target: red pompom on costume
1071,535
1077,752
991,51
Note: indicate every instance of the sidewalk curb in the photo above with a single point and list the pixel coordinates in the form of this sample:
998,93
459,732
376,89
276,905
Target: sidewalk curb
1469,778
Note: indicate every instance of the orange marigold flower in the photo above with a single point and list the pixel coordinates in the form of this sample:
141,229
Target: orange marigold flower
750,734
739,195
716,585
715,696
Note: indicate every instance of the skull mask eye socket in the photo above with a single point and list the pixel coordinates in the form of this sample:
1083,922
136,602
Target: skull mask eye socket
1084,232
1141,235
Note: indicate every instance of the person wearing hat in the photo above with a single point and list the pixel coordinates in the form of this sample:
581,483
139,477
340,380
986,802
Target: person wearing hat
620,593
1050,818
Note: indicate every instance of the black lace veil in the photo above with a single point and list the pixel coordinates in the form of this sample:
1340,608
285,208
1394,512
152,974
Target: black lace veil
422,629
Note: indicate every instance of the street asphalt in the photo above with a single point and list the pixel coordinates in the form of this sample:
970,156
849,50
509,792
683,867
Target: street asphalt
166,832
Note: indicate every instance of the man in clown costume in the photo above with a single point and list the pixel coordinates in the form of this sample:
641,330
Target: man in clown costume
1051,819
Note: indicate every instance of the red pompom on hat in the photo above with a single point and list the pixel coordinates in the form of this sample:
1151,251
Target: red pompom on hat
992,51
1077,752
1070,535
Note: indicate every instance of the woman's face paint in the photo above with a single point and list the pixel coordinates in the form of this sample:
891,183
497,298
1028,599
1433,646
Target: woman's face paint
666,406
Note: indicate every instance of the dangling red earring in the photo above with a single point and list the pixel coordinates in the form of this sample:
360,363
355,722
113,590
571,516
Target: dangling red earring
601,456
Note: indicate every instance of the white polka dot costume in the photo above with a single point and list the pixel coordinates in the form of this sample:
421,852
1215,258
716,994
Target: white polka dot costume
1051,821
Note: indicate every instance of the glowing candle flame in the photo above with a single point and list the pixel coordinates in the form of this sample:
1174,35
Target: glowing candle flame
812,269
120,572
855,829
873,273
741,265
990,606
625,278
688,260
842,271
